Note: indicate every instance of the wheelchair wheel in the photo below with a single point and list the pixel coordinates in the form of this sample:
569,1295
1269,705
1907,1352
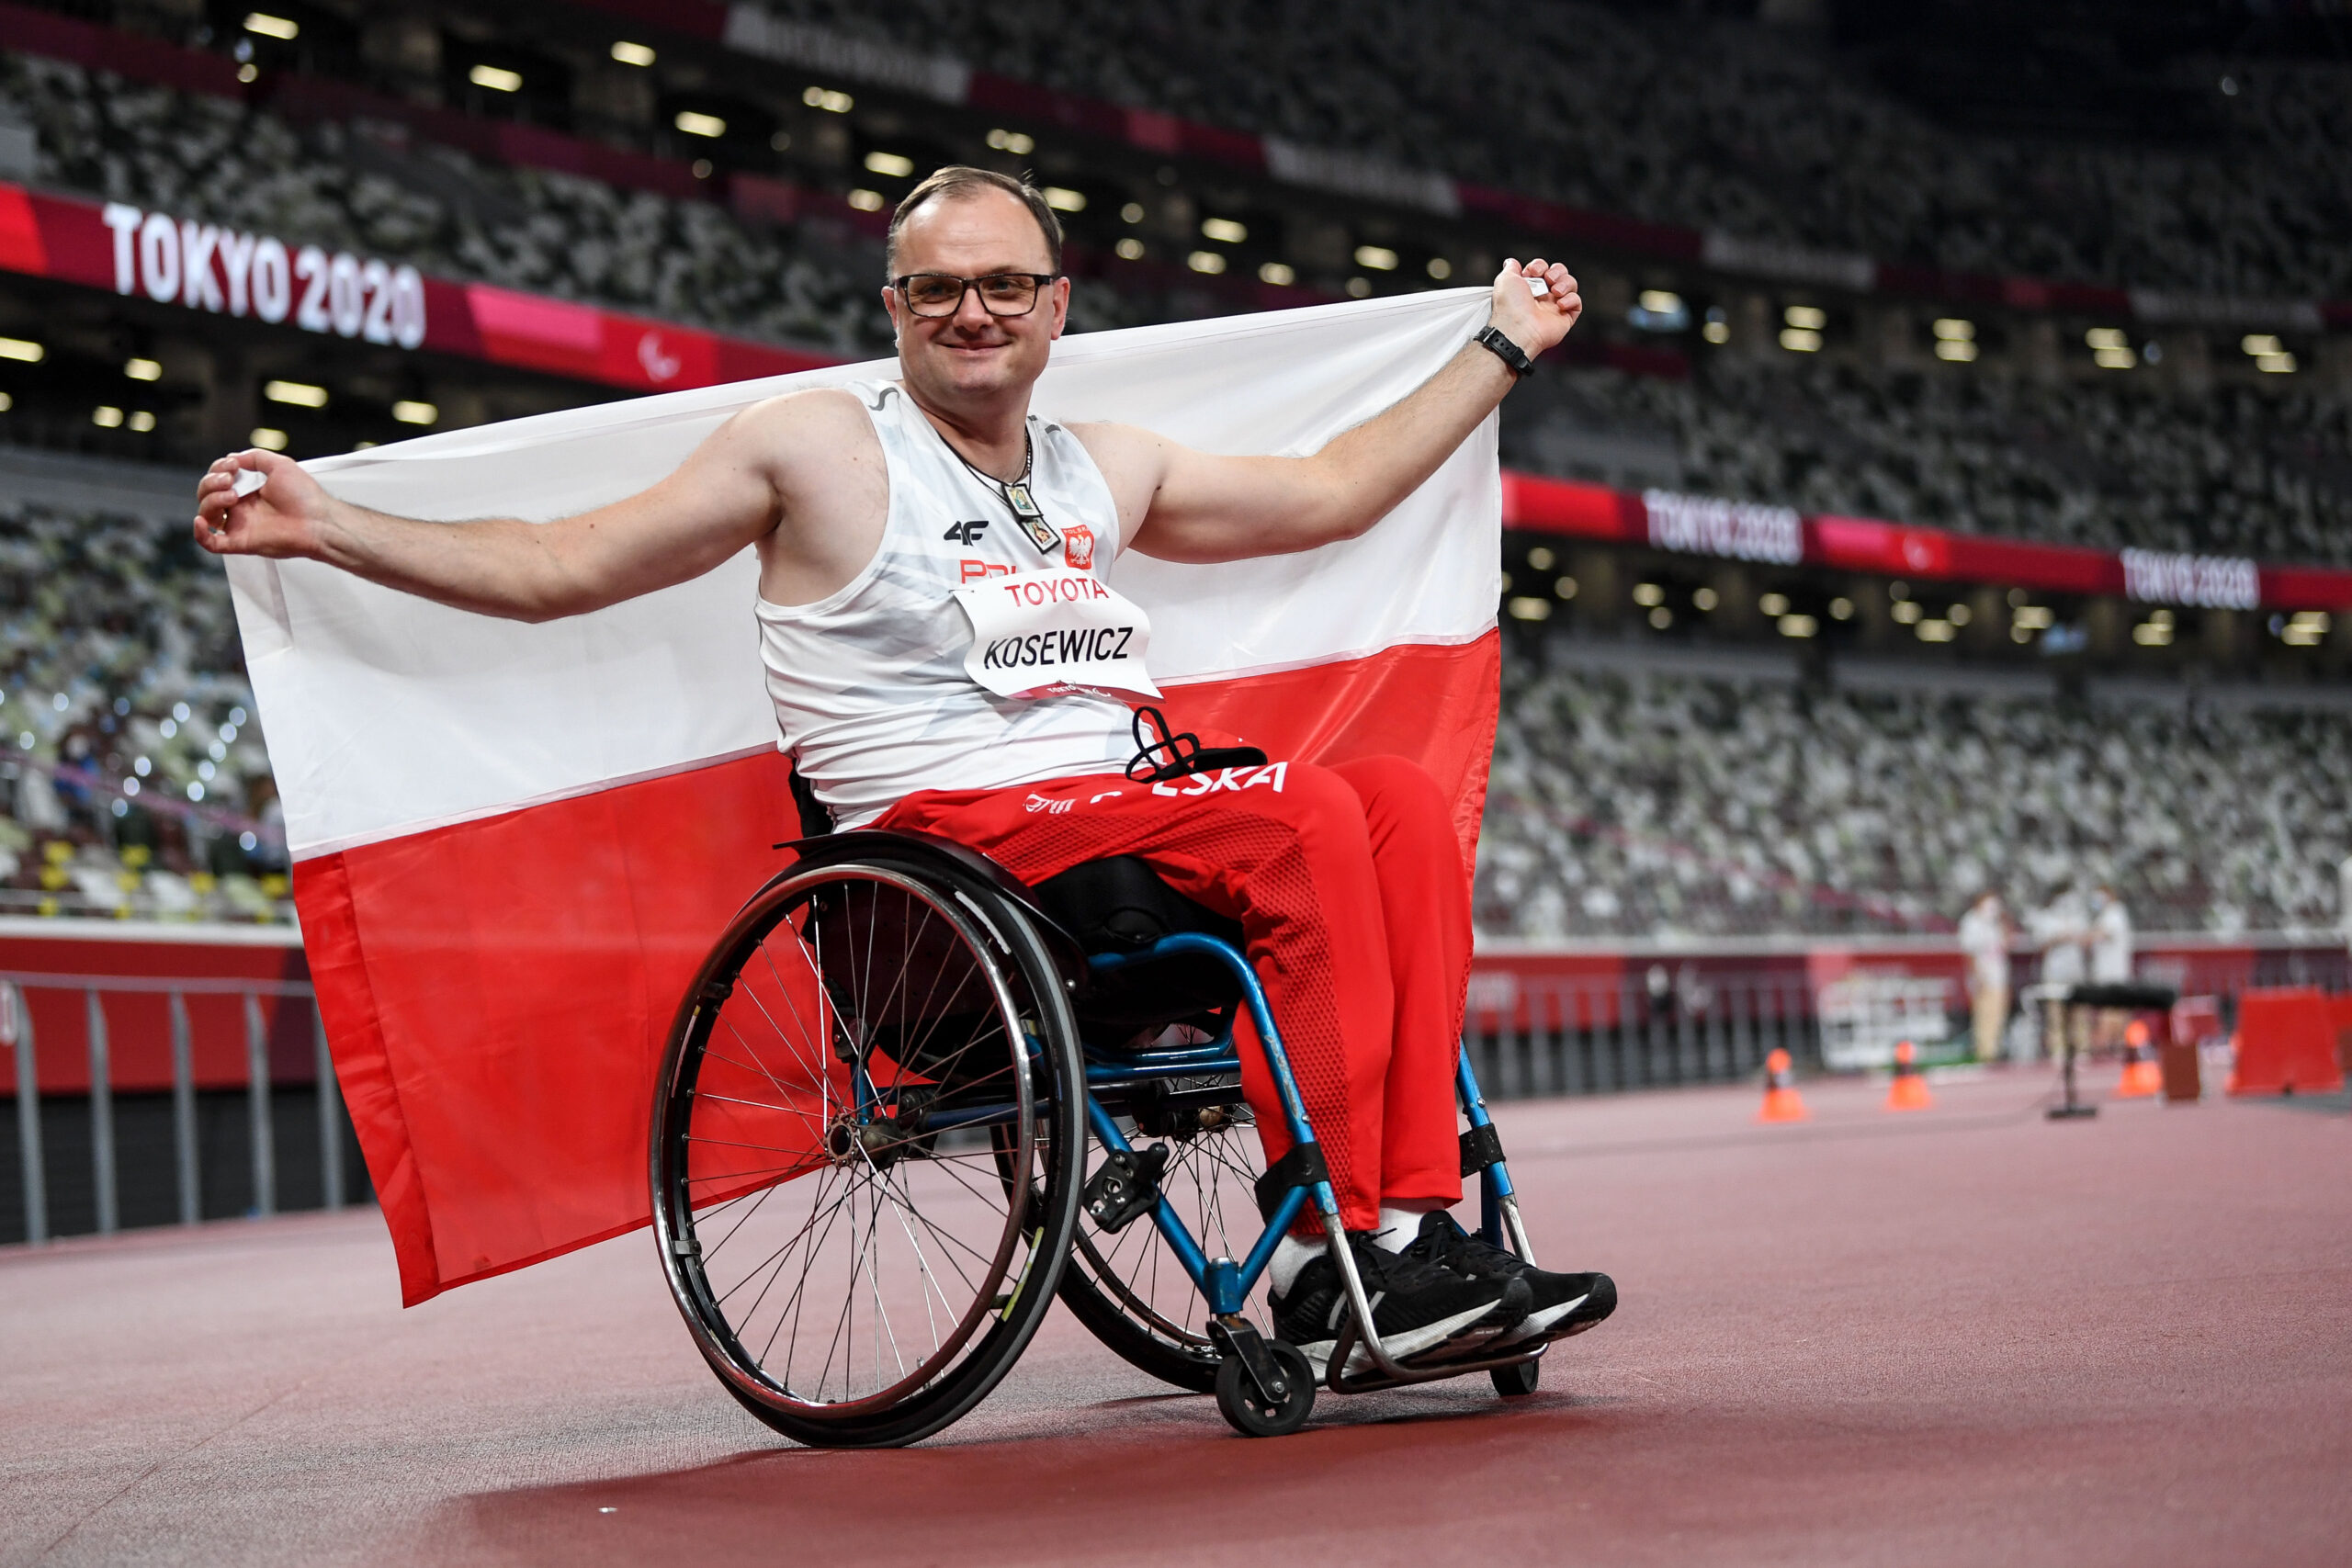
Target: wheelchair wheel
1128,1287
1253,1414
865,1050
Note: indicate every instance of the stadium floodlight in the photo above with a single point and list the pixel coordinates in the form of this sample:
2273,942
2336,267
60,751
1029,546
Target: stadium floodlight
889,165
282,27
1841,608
1662,617
301,394
497,78
1649,594
1800,340
1440,268
143,371
2260,343
1378,258
2114,358
2153,634
1541,557
866,200
1959,615
105,416
22,350
1062,198
1207,262
1908,611
1955,351
1224,230
1952,329
829,101
2274,364
1566,588
267,438
1705,599
1806,318
1935,630
2107,337
1130,249
408,410
709,125
1131,213
6,402
1773,604
2034,617
1529,608
1019,145
141,421
632,53
1798,626
1277,273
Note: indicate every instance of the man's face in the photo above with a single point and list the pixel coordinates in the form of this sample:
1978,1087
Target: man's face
972,355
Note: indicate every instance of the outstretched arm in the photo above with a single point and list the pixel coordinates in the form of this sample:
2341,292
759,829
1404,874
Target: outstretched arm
723,497
1200,507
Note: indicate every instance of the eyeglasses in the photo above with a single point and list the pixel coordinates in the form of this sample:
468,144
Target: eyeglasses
942,293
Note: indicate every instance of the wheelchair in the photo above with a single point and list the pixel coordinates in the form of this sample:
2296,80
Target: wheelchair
908,1100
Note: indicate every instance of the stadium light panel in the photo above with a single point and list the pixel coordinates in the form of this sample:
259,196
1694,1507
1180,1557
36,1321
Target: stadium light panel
828,100
21,350
1773,604
891,165
2276,364
1277,273
105,416
1017,144
282,27
6,402
1062,198
2034,617
143,371
1908,611
1566,588
267,438
1800,340
1529,608
1662,617
1224,230
1207,262
1649,594
141,421
1952,329
2151,634
711,126
1541,557
1935,630
1359,288
1841,608
1716,332
1954,351
2107,337
1959,615
1440,268
408,410
1378,258
1130,249
2260,343
1806,318
866,200
629,53
301,394
1705,599
1798,626
2114,358
1131,213
497,78
701,168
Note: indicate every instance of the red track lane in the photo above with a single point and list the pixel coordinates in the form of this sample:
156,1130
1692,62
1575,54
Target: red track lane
1960,1336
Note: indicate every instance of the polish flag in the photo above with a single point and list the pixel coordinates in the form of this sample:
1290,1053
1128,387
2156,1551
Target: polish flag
513,843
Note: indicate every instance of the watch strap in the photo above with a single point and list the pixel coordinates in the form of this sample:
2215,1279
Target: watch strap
1509,353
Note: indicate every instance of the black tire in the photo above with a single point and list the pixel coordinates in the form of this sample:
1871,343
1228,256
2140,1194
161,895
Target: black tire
866,1043
1128,1289
1516,1382
1248,1412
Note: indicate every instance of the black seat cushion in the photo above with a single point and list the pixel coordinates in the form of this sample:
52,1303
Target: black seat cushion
1120,905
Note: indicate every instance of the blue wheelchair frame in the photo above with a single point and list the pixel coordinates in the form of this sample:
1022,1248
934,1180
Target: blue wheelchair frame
1226,1283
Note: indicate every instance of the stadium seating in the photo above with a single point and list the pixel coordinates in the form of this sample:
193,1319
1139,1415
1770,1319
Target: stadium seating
120,661
1633,805
1712,123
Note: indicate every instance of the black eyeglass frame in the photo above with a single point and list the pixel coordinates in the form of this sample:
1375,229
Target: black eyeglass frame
1040,279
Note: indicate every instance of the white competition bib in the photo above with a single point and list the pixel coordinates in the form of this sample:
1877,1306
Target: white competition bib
1040,632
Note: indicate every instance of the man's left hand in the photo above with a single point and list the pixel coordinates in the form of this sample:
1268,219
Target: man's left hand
1535,323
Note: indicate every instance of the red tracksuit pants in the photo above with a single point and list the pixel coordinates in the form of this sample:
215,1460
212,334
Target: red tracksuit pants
1349,884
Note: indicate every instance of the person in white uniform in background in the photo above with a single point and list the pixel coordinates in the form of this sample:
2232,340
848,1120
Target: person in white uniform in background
1985,939
2110,955
2059,930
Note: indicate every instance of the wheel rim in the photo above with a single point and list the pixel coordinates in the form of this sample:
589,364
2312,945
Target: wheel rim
838,1250
1210,1182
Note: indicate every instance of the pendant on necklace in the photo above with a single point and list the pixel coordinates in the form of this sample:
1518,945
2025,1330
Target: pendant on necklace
1033,522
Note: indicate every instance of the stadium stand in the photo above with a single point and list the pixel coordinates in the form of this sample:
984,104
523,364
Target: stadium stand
1630,803
1714,123
136,779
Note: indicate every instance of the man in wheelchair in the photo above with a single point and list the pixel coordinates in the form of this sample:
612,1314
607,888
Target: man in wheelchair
946,656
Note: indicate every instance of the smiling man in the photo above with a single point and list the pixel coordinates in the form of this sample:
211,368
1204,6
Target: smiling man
945,653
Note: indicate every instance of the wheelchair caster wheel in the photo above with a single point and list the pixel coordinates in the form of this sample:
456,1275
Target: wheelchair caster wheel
1516,1383
1250,1412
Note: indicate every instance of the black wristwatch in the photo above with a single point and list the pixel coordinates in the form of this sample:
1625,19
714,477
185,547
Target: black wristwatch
1509,353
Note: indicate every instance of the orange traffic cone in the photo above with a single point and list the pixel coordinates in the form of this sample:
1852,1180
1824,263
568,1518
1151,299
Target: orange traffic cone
2142,1076
1909,1091
1780,1100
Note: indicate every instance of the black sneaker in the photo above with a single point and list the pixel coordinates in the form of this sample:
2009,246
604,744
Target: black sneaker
1419,1311
1562,1303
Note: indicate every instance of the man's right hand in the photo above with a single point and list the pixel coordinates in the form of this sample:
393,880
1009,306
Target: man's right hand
283,518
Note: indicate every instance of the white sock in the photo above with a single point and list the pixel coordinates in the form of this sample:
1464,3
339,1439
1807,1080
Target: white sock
1399,1228
1291,1255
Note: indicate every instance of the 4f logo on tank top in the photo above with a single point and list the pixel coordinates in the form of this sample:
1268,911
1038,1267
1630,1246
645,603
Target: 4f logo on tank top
965,533
1043,633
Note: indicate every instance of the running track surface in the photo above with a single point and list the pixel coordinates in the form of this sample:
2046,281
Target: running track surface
1960,1335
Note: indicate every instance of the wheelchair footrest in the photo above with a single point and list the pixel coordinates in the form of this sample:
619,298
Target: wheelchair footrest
1126,1187
1303,1167
1481,1147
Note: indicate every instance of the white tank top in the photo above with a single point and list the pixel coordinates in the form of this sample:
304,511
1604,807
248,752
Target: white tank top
869,683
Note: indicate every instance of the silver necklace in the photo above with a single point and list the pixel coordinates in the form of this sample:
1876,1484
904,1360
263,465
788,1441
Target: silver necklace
1016,496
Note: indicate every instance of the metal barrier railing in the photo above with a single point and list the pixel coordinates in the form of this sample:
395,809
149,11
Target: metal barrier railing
17,1032
1572,1036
